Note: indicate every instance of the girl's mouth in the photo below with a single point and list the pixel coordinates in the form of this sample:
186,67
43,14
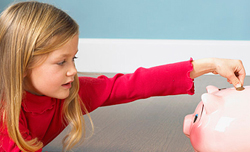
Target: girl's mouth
67,85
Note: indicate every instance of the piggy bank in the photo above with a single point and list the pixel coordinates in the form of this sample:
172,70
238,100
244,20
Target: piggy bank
221,121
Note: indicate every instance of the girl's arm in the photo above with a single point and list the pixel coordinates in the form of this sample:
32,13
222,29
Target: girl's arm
169,79
8,145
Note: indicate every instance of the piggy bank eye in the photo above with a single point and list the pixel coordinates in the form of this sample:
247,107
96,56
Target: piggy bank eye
195,117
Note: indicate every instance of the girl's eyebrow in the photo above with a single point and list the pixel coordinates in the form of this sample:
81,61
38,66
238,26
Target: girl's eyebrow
66,54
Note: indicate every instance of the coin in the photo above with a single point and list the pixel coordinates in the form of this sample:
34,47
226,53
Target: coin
240,88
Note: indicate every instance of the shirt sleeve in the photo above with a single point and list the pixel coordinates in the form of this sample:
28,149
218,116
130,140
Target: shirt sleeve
169,79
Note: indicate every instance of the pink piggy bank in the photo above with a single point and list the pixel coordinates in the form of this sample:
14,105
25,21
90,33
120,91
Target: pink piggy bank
221,121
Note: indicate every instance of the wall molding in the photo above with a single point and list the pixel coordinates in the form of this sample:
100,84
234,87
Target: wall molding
125,55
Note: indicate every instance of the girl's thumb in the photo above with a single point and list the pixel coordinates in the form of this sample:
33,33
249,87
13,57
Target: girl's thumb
236,82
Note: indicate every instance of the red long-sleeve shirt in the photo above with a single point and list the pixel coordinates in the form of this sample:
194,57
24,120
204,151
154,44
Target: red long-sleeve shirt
41,115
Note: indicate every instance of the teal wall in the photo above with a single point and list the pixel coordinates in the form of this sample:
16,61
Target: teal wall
159,19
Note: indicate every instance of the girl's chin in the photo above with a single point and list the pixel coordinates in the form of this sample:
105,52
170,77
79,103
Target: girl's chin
62,96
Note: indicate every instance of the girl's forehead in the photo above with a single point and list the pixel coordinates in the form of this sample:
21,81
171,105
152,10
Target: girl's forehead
68,49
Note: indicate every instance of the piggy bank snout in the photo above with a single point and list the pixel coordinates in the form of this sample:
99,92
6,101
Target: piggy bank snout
187,125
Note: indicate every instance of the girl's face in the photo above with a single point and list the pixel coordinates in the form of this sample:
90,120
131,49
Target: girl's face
54,76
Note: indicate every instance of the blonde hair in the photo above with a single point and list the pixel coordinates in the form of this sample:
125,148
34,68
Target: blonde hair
29,30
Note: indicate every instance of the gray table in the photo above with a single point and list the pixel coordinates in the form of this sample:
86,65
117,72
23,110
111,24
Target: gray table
148,125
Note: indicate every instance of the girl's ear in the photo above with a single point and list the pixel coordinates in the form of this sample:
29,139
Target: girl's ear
25,74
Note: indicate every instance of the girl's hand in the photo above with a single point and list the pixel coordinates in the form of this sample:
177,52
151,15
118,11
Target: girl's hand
231,69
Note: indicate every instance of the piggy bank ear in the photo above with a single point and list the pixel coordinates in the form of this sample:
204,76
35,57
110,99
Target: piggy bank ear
211,102
211,89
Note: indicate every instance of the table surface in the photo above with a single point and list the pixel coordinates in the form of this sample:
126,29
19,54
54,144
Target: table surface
148,125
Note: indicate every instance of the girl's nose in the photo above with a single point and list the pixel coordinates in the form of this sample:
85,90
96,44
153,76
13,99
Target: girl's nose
72,71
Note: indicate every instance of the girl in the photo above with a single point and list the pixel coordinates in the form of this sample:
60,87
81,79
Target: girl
40,91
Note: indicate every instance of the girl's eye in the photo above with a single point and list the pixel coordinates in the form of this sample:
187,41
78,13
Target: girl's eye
61,63
74,58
